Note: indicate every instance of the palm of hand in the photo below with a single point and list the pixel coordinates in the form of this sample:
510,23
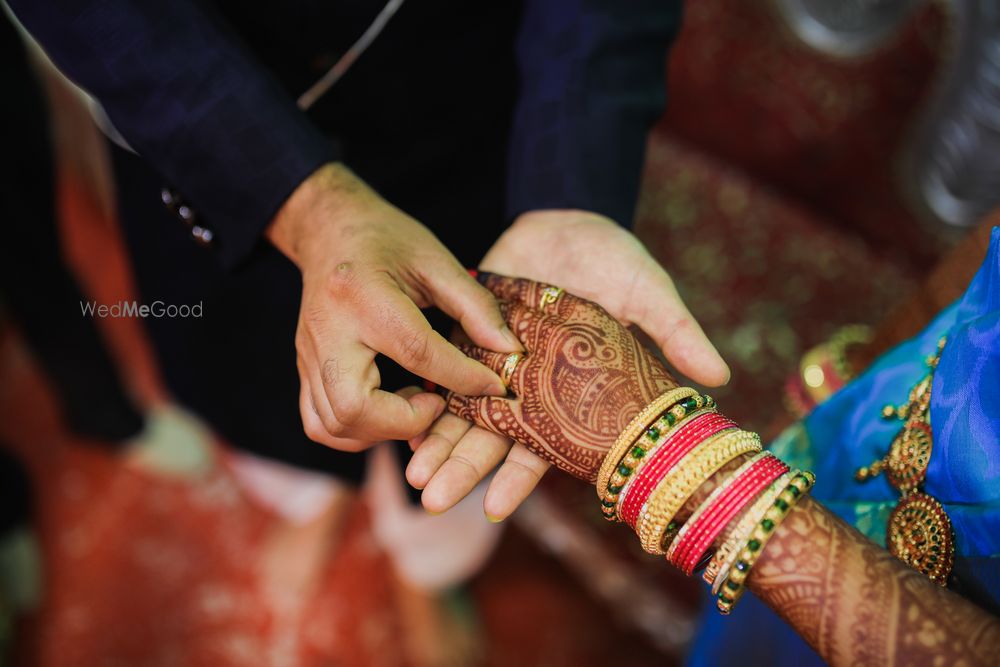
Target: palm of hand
582,379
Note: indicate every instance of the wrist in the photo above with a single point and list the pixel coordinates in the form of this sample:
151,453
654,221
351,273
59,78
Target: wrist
327,196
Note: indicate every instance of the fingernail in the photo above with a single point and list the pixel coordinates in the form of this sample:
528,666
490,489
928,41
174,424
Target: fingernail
494,519
433,513
509,336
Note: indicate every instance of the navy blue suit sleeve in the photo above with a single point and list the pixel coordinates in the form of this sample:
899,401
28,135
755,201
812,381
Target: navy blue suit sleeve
186,94
592,84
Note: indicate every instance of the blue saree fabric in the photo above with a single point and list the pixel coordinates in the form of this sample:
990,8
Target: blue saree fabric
847,432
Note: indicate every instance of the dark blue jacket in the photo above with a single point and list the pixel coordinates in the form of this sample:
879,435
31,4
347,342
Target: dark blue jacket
214,113
463,114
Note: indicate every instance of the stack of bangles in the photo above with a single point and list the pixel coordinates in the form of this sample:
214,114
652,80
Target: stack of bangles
674,446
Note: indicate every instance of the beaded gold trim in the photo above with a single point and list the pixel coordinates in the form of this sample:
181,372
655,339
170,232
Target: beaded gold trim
732,589
725,556
666,431
691,472
632,432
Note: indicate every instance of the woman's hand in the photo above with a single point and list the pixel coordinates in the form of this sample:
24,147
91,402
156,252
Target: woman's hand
580,381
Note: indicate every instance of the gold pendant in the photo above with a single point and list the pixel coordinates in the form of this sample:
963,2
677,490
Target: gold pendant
909,456
919,533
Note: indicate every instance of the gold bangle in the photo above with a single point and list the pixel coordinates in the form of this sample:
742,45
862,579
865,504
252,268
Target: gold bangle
708,502
733,587
725,556
632,432
691,472
662,430
665,433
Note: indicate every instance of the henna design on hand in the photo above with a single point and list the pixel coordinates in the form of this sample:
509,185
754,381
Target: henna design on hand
583,377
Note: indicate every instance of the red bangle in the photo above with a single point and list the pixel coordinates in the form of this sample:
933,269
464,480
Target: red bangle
676,445
734,497
699,536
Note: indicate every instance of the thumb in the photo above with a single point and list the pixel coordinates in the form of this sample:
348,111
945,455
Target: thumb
657,309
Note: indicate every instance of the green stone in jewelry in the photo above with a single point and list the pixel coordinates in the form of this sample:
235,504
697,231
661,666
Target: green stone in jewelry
794,490
653,433
753,545
781,505
638,452
624,470
615,489
732,585
608,503
767,525
724,599
671,419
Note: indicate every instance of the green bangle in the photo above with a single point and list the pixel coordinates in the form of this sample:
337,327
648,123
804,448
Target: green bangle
733,587
652,438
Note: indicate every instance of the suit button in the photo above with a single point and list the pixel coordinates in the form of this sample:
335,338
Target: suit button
202,235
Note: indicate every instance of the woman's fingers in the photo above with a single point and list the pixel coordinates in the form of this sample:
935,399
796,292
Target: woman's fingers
530,326
473,458
489,412
545,298
435,449
513,482
510,367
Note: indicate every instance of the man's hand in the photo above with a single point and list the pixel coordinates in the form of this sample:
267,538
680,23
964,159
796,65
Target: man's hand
367,269
592,257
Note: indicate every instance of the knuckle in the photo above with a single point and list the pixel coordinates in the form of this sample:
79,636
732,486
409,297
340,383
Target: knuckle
347,409
342,281
415,348
330,425
331,372
313,431
313,317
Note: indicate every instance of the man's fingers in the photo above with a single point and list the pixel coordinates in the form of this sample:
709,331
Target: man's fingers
462,298
401,332
311,422
529,325
435,449
358,408
310,396
657,309
472,459
513,482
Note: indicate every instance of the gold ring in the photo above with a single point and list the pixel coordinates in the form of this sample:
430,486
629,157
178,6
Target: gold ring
509,365
549,296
